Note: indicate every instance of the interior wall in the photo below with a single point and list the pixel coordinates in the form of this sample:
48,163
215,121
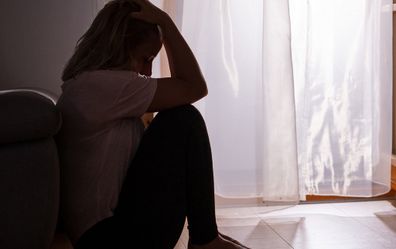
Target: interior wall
37,39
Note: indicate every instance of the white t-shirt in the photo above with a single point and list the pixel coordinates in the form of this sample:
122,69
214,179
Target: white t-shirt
100,133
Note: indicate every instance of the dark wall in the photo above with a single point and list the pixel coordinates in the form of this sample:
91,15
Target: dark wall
37,38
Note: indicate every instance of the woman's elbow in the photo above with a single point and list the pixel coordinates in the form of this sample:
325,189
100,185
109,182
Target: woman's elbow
198,93
203,91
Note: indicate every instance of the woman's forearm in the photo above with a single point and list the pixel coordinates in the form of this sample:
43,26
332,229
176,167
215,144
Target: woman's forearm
182,62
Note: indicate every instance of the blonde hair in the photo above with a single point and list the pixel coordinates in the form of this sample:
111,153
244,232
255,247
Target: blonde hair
108,43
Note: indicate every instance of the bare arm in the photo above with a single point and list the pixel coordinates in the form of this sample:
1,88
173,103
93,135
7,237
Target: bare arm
186,84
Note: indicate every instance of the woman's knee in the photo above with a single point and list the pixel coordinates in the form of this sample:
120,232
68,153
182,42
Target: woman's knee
182,114
183,110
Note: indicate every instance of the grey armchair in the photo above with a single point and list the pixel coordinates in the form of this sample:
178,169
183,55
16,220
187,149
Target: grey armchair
29,169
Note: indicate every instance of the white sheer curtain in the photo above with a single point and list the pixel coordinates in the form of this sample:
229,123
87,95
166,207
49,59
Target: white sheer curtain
244,50
249,75
325,130
342,51
299,93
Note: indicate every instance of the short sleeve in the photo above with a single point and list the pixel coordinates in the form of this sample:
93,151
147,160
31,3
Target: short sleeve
135,96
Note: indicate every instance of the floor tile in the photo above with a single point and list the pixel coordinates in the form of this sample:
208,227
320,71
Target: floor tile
325,231
254,233
383,226
265,244
365,209
235,222
246,212
303,209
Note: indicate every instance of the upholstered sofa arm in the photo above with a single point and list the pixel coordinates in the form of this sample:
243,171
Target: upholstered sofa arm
29,169
27,115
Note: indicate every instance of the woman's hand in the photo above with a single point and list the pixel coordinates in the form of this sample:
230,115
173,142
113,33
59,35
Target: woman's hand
149,12
186,84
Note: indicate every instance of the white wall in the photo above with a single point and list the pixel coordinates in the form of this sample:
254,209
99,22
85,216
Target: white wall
37,38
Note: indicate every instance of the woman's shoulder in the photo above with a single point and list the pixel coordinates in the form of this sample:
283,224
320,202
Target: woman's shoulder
109,78
99,75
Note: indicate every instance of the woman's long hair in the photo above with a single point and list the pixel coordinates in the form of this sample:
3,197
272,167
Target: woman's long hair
108,43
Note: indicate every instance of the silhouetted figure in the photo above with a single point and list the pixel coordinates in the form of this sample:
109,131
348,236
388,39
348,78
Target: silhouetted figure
124,186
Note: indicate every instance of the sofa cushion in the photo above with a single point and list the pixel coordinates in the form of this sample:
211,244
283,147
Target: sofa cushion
27,115
29,190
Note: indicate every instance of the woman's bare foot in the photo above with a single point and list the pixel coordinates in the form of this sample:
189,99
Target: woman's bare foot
220,242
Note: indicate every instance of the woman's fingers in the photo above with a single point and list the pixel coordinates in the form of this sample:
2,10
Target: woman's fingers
148,12
138,1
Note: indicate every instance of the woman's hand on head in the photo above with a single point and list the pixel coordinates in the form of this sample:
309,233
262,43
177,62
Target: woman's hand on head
148,12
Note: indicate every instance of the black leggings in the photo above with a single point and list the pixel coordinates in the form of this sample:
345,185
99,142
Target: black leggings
169,179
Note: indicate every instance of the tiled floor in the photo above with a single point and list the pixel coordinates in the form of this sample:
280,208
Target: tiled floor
348,225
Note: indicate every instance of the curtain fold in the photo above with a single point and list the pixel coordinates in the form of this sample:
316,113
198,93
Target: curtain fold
226,37
280,169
